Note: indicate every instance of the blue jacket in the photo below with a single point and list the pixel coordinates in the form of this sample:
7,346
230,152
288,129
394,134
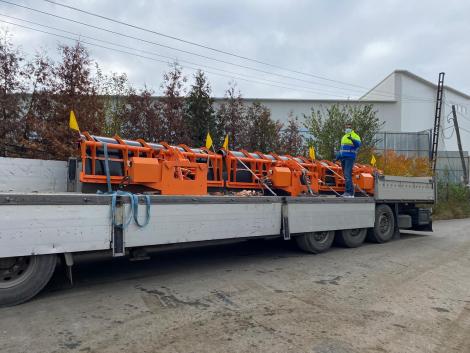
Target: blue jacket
350,143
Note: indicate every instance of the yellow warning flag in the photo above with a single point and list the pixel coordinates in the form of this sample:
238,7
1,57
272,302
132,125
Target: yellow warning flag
373,161
208,141
225,145
73,122
311,153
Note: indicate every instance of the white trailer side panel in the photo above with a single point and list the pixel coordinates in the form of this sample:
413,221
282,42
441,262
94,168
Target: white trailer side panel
179,223
50,229
402,189
32,175
321,216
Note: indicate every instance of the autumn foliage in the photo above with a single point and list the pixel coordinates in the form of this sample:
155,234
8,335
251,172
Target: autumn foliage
392,163
37,95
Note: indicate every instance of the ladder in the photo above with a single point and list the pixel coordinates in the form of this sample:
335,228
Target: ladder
437,122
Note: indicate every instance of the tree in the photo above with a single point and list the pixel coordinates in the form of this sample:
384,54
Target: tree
264,132
73,88
367,125
171,106
40,105
231,119
292,141
116,93
327,127
143,118
199,111
12,92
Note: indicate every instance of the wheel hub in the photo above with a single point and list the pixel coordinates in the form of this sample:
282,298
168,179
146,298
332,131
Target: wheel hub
15,270
356,232
320,237
384,224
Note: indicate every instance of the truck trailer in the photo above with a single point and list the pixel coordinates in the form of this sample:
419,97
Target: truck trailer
52,211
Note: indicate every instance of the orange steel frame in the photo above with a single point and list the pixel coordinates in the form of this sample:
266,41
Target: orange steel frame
258,166
88,148
323,176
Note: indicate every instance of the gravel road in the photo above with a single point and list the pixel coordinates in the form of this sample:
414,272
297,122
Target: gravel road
410,295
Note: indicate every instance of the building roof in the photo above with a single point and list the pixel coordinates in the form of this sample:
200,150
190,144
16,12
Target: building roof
296,100
417,78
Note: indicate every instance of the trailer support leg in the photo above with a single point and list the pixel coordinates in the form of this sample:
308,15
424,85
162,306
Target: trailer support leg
117,241
69,263
285,232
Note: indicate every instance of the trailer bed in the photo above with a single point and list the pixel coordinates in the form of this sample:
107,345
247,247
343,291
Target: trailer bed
34,224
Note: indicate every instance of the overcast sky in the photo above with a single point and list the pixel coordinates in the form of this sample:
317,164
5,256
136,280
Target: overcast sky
356,42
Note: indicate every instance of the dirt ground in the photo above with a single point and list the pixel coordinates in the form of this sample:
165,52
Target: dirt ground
410,295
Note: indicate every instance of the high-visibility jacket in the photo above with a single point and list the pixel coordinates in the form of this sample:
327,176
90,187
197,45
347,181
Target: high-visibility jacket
350,142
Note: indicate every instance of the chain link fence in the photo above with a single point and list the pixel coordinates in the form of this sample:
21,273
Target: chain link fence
449,166
409,144
418,144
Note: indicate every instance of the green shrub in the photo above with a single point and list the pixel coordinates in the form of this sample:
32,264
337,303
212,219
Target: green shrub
453,201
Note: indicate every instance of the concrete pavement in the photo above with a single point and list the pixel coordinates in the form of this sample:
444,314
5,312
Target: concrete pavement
410,295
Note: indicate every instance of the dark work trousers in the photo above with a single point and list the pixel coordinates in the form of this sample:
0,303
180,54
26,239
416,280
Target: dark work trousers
347,165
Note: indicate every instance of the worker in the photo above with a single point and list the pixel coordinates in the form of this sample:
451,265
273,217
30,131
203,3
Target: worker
350,143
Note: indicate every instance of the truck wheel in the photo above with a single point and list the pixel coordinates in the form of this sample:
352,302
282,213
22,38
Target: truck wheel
315,242
351,238
22,277
384,226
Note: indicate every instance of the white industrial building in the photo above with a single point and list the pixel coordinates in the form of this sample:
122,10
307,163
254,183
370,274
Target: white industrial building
404,102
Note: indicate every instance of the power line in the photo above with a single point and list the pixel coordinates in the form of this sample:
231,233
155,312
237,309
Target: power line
197,44
387,94
167,46
159,55
153,59
207,47
171,58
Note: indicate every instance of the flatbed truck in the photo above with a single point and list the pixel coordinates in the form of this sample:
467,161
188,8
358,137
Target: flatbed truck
41,223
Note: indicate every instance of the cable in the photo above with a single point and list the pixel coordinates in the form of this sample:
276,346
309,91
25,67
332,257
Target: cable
201,45
165,46
387,94
153,59
198,44
240,76
159,55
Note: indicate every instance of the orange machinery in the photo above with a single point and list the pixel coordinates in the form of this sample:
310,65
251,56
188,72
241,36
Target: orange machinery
182,170
171,170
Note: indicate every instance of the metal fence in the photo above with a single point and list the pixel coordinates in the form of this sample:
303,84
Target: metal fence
449,166
410,144
418,144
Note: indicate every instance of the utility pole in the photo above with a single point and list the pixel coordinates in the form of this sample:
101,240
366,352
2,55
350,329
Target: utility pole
459,143
437,122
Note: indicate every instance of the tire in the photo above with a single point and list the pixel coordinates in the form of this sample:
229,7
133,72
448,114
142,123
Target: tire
384,225
21,278
351,238
315,242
